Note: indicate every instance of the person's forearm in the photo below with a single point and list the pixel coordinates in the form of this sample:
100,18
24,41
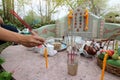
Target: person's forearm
7,35
1,20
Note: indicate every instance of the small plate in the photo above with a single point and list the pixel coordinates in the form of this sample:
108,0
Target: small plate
63,47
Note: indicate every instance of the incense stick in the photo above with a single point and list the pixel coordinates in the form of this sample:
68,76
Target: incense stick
104,66
20,19
46,58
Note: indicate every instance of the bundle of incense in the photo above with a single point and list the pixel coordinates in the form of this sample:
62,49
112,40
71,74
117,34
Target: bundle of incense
71,56
20,19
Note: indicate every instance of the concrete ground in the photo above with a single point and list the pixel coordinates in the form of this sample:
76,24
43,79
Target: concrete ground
28,65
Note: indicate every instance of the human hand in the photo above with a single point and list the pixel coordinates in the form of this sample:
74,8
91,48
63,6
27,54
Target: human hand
34,33
31,40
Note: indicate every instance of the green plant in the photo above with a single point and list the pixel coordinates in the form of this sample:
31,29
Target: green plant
3,46
4,75
42,24
1,60
16,24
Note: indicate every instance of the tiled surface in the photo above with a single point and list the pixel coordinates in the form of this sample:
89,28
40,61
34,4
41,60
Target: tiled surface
28,65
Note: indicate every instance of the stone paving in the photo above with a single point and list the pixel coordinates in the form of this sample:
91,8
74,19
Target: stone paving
28,65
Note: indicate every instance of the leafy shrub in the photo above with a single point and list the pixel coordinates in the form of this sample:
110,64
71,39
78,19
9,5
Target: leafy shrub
4,75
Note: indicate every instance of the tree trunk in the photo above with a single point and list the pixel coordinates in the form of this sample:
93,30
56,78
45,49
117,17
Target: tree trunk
12,17
94,8
7,6
3,3
41,14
